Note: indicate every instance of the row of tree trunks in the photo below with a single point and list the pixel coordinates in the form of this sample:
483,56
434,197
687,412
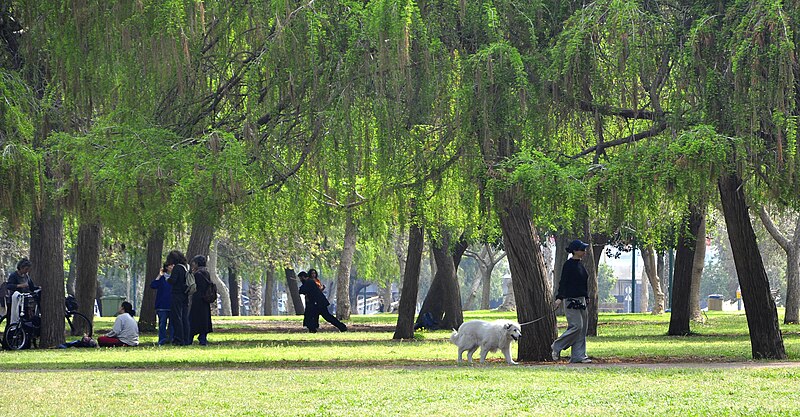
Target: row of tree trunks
87,257
682,279
532,289
762,317
408,297
153,264
343,271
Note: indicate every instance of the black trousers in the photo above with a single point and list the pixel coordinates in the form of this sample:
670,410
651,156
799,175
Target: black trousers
330,318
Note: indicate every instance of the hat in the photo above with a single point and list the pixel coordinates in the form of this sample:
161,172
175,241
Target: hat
577,244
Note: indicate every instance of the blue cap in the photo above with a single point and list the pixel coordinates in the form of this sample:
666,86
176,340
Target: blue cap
577,244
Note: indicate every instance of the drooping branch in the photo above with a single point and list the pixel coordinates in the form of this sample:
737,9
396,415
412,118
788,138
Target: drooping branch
655,130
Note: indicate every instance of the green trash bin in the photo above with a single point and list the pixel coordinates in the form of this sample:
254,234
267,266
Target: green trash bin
110,304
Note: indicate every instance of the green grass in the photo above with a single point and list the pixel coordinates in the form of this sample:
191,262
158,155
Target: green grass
269,366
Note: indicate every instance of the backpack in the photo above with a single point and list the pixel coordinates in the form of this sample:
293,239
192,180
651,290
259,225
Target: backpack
191,285
210,295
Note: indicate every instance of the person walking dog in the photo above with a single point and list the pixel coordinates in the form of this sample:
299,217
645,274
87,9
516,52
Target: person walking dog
573,291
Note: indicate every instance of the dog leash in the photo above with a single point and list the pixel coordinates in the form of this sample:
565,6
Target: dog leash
540,318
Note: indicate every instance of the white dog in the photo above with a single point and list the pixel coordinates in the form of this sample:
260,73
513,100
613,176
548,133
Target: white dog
489,336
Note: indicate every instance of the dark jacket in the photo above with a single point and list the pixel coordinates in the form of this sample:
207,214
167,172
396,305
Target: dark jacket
163,293
177,280
574,280
15,279
200,312
313,294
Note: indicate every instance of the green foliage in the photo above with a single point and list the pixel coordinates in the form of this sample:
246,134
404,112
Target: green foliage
606,280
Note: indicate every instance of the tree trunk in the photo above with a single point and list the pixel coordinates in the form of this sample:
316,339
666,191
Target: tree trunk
233,287
561,255
452,311
762,317
532,289
200,240
269,291
651,269
661,270
222,288
87,257
254,291
47,257
792,249
343,271
294,294
152,269
408,297
682,278
592,305
697,270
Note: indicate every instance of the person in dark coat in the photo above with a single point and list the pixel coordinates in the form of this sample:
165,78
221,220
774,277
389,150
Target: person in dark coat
319,303
310,316
179,305
573,290
200,311
163,303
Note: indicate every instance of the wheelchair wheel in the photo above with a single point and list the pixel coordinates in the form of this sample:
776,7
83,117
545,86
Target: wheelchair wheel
76,325
15,337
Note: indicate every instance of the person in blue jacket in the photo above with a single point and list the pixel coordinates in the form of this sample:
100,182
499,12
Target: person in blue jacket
163,304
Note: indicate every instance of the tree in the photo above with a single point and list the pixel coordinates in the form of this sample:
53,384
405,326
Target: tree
792,249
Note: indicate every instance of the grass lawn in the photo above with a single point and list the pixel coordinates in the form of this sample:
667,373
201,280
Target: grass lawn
268,366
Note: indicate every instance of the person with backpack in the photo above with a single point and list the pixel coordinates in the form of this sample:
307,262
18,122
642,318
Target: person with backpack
200,310
179,300
163,304
317,305
125,331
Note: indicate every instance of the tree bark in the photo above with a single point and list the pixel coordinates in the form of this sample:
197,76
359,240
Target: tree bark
452,311
222,288
254,291
651,269
233,287
294,294
592,304
47,257
792,249
343,271
682,278
561,255
408,297
200,240
152,269
269,291
87,257
762,317
531,284
698,262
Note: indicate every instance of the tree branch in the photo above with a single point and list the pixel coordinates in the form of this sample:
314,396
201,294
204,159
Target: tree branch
653,131
773,230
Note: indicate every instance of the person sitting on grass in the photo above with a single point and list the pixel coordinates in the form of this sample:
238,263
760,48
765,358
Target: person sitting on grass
125,331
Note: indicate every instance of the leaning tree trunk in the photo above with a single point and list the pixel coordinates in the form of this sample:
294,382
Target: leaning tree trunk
343,271
531,284
152,269
222,288
651,269
762,317
697,271
408,297
233,287
87,257
47,257
294,294
269,290
682,278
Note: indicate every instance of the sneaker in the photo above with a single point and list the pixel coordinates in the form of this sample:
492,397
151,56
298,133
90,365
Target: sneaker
555,354
584,360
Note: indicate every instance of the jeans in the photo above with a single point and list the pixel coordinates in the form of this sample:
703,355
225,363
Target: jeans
163,323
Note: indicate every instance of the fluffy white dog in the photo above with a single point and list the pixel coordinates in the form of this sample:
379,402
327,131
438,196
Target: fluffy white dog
489,336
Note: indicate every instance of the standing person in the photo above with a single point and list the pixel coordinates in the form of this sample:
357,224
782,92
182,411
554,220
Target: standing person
573,289
179,302
200,311
310,316
321,303
125,331
163,303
